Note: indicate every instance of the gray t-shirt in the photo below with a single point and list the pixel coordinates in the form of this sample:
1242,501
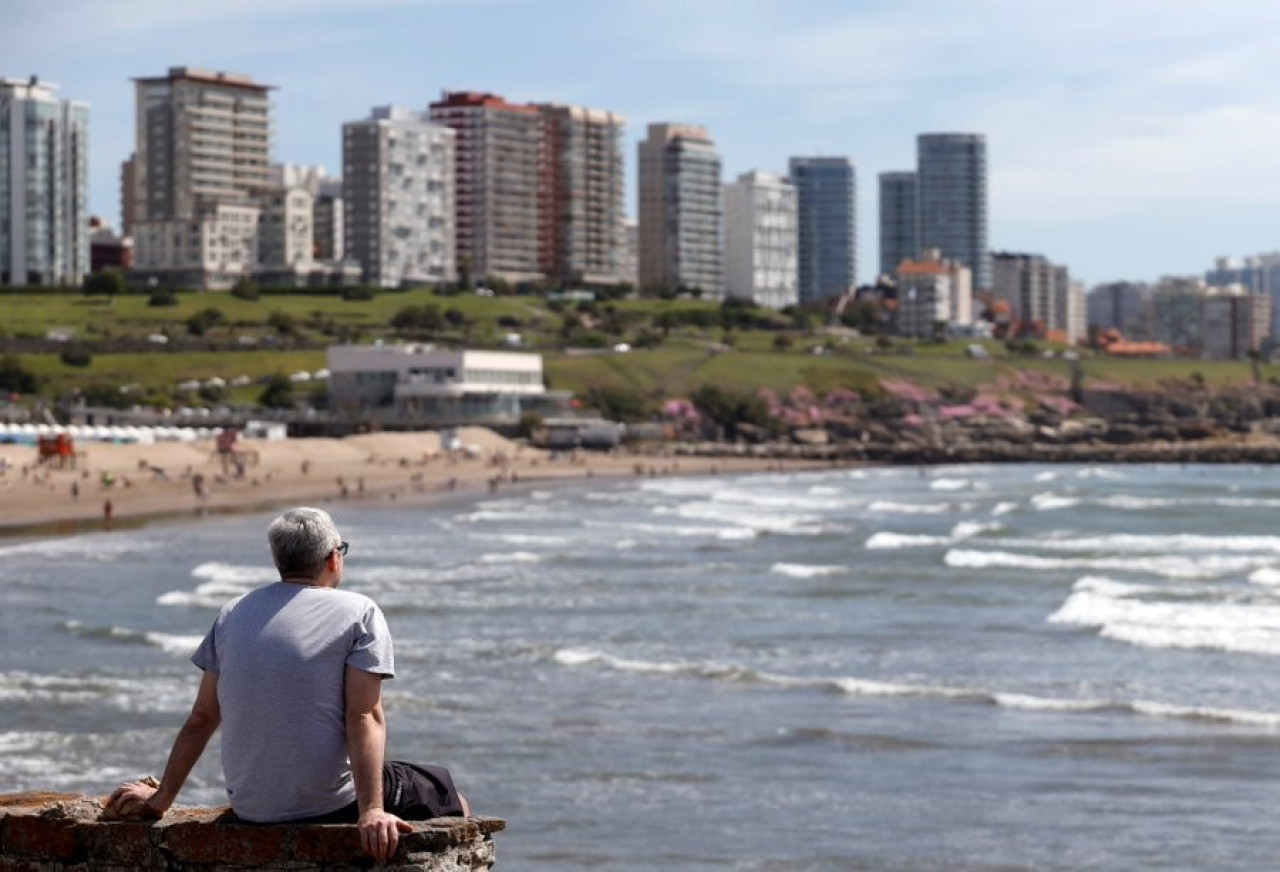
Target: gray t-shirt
280,653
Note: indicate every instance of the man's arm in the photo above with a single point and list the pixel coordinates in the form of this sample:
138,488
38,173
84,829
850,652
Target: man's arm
367,748
139,801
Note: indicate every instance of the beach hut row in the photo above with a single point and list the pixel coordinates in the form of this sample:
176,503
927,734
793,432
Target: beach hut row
28,434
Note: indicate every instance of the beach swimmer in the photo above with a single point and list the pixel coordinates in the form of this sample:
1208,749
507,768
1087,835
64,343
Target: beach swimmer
293,674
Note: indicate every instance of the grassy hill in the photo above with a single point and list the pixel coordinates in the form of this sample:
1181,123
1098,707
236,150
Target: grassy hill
675,346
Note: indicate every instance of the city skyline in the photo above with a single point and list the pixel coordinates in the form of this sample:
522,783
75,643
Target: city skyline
1125,143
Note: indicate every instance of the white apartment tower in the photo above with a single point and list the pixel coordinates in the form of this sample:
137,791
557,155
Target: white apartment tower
398,191
761,242
44,178
681,214
501,157
203,145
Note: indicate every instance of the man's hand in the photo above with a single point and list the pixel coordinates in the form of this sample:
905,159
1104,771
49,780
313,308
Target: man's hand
132,802
380,833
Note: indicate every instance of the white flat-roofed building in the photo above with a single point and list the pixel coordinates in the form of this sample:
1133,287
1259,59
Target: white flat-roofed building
440,383
761,257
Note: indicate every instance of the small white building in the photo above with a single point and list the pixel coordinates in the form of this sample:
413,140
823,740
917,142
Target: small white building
761,241
448,384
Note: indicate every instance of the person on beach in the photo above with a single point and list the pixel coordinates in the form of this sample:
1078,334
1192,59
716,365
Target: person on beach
293,673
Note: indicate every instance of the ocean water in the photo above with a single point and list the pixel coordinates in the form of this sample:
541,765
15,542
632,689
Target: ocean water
966,668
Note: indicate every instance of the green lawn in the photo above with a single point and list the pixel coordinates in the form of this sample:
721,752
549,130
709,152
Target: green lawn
689,357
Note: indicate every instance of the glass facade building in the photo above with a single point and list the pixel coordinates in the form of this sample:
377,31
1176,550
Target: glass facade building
899,221
44,186
952,199
826,192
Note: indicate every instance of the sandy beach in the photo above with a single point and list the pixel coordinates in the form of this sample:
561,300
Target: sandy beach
130,481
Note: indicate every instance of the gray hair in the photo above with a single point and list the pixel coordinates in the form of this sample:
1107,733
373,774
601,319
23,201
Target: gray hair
301,540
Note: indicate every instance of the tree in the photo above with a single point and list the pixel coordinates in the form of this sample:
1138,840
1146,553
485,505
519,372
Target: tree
201,322
620,404
15,378
106,282
426,318
278,393
282,322
729,409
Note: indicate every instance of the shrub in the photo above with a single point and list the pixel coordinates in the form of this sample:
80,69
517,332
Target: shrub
162,297
358,294
76,357
278,393
282,322
246,290
109,282
201,322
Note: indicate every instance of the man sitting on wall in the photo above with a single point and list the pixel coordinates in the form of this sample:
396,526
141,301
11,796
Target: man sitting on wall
293,672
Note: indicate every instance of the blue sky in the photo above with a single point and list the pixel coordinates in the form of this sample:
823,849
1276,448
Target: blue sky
1127,139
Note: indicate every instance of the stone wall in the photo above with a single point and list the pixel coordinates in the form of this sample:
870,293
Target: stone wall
50,832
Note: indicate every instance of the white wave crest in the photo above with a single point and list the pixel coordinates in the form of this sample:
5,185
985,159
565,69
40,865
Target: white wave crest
234,574
863,687
1100,472
1041,703
969,529
1182,543
1052,502
950,484
801,570
1270,720
886,507
1268,576
509,557
1168,566
1003,509
531,539
885,541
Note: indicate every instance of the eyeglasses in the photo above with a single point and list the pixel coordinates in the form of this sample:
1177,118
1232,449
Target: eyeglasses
342,548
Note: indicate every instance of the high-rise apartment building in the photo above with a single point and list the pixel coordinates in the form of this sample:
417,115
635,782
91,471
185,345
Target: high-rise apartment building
899,220
584,237
826,197
44,185
398,180
951,178
501,164
760,240
128,196
202,137
1234,322
1176,316
202,155
681,211
1120,306
1259,274
1035,289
